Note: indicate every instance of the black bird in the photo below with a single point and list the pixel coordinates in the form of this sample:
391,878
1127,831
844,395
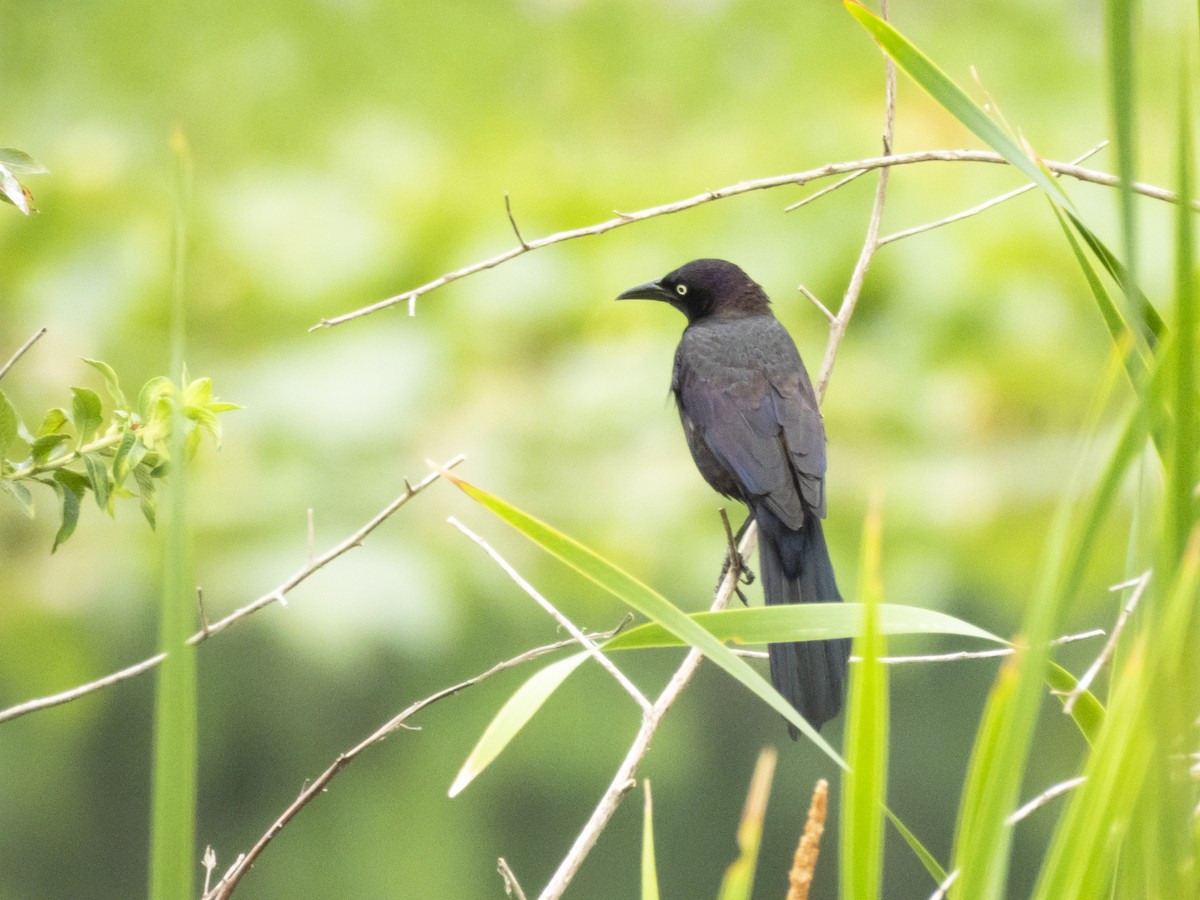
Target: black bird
752,423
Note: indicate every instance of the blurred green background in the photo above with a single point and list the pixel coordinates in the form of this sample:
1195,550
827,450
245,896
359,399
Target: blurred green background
347,151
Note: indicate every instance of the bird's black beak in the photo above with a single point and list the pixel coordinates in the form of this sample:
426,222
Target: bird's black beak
651,290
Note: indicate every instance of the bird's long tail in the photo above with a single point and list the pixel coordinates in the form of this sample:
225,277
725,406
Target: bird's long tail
796,568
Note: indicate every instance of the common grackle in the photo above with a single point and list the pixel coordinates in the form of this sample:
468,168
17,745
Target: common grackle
752,423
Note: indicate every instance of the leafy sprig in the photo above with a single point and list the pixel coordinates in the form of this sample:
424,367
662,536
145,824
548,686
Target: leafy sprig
121,455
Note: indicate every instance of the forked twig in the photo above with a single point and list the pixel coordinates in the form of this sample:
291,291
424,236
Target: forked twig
229,882
588,644
276,594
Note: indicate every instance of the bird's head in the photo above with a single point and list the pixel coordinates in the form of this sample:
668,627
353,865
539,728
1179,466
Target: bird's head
705,287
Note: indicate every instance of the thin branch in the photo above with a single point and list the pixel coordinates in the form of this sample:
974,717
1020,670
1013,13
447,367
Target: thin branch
817,303
571,627
513,222
840,183
623,780
276,594
982,207
838,324
21,351
512,887
1043,798
742,187
229,881
1139,588
956,656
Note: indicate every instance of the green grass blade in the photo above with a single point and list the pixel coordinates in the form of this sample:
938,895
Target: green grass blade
953,99
1181,461
801,622
864,784
1148,318
928,860
1088,712
981,840
643,599
1119,21
1082,854
738,883
513,716
173,856
649,866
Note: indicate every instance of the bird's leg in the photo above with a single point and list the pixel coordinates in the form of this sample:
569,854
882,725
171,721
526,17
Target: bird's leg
733,559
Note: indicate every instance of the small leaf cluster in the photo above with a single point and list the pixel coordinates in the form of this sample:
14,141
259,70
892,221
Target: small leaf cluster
12,190
123,454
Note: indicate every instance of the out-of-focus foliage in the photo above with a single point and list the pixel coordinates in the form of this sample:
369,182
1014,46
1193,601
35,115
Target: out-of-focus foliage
125,455
12,190
347,151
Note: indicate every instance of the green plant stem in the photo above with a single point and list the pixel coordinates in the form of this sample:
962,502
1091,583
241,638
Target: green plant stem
65,460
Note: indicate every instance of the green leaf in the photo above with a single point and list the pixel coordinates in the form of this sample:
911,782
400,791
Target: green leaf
10,429
942,88
53,422
20,162
44,446
738,883
646,601
111,381
97,473
864,783
513,716
801,622
20,493
70,487
649,867
125,457
87,413
147,491
12,191
1087,713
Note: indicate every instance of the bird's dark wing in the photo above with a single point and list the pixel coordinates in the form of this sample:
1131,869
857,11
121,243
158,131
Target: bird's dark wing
751,420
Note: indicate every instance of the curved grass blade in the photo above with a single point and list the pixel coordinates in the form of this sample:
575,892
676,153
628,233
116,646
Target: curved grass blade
952,98
513,716
645,600
801,622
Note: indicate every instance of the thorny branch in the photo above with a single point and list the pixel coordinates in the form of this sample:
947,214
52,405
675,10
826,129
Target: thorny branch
229,881
277,594
742,187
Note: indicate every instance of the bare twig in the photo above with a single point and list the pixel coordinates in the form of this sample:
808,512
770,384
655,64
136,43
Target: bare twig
572,629
512,887
513,222
276,594
1139,587
200,607
1043,798
837,325
804,863
21,351
230,880
623,780
840,183
955,656
817,303
982,207
733,190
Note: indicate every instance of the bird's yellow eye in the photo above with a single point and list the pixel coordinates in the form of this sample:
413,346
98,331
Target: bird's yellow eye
681,290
